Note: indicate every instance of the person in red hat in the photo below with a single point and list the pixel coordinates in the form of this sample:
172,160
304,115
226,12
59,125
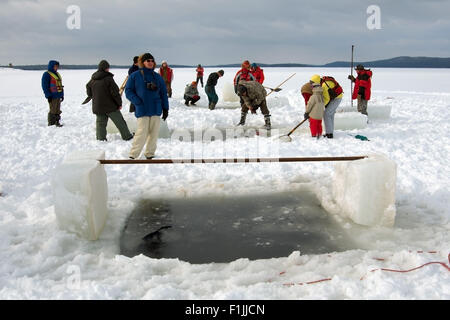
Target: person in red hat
191,94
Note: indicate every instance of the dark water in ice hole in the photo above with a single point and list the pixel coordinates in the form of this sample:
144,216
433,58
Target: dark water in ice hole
216,229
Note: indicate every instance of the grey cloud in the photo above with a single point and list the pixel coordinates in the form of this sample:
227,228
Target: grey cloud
216,31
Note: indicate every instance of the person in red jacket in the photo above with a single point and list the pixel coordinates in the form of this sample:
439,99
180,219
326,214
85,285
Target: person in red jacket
167,74
257,72
363,85
200,71
244,74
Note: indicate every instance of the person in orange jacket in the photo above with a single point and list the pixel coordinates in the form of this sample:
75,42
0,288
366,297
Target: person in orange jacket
167,74
200,72
257,72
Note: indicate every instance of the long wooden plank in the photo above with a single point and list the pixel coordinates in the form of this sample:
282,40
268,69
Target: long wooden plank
231,160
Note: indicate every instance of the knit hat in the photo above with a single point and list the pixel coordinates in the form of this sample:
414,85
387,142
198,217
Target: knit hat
147,56
164,61
359,67
103,65
135,59
254,65
221,72
193,83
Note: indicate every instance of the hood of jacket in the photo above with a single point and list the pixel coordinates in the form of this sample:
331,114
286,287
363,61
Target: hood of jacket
51,64
101,74
317,90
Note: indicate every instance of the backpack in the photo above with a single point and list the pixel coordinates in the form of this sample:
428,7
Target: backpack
336,90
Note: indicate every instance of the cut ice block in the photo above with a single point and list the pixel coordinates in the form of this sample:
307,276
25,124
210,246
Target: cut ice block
80,194
348,121
365,190
228,93
374,111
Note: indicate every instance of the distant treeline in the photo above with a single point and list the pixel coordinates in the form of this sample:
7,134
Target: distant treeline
398,62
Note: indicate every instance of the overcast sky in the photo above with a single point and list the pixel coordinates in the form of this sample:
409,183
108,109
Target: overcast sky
221,31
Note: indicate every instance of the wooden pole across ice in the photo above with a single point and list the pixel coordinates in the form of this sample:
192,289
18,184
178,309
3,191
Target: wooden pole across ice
232,160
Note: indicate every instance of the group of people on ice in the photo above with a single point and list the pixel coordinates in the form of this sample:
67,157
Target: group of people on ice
148,91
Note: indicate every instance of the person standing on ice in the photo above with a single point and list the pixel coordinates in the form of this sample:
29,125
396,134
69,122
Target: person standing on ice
363,85
106,102
253,96
210,88
243,74
54,92
200,72
257,72
332,97
147,91
167,74
314,110
306,91
191,94
135,66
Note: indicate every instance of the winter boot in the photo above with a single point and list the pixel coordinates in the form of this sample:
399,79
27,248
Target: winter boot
51,119
58,117
328,135
267,126
212,106
243,116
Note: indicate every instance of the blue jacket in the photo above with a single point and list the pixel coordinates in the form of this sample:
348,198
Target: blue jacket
148,103
46,82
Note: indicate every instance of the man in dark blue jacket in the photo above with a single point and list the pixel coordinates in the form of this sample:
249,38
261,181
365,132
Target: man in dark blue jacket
54,92
135,66
147,91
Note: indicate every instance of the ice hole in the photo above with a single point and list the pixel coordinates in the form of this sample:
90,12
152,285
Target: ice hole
223,229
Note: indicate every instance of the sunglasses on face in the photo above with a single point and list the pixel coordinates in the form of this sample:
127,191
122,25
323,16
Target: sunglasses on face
149,60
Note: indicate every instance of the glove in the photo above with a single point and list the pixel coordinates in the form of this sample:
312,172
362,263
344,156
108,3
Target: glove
49,100
165,114
306,115
62,99
350,77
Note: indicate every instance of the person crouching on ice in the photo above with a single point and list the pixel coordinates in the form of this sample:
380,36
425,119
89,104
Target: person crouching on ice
253,96
315,109
147,91
191,94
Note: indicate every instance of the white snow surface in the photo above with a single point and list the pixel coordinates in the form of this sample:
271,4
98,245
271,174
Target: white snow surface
41,261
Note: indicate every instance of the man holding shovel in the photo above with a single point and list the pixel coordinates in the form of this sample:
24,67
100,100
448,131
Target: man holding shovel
253,96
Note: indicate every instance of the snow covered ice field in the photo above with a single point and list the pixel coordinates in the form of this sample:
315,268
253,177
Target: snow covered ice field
38,260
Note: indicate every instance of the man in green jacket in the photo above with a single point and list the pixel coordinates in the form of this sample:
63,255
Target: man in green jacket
106,102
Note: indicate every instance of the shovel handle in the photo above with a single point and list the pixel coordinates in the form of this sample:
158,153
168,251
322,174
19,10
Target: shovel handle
296,127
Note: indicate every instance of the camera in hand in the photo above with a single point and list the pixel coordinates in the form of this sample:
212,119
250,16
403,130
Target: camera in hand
152,86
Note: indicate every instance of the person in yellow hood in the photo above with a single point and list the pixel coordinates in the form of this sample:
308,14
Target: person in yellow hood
332,97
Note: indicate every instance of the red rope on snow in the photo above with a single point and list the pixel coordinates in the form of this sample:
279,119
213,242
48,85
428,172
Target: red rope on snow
382,269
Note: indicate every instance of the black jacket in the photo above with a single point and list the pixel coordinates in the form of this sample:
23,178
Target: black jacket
104,93
132,69
212,79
